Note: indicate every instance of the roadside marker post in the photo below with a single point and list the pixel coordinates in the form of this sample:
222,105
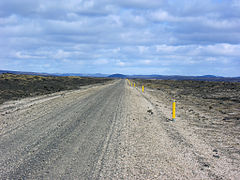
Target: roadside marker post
128,82
134,84
173,110
142,88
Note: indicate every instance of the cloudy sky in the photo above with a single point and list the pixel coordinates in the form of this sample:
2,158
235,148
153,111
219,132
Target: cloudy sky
180,37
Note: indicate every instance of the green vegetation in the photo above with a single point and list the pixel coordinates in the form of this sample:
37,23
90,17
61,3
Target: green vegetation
13,86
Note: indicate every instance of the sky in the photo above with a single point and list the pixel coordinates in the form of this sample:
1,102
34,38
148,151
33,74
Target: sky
168,37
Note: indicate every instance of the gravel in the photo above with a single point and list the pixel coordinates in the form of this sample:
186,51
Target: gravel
110,131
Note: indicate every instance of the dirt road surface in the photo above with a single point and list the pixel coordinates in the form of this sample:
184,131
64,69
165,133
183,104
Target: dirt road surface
110,131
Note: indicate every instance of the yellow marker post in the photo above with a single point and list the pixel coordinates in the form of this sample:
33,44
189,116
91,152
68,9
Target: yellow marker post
142,88
173,110
134,84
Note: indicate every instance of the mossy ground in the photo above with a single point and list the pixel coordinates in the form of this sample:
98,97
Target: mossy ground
14,86
216,98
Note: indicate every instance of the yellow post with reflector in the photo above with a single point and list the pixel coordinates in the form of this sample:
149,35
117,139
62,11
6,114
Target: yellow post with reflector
173,110
142,88
134,84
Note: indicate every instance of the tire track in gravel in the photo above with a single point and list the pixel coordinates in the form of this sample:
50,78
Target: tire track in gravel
44,152
113,132
100,163
45,122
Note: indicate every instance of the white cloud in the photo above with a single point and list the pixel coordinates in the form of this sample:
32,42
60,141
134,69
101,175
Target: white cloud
23,55
143,49
120,63
161,15
117,50
147,61
60,54
166,48
115,20
141,34
100,62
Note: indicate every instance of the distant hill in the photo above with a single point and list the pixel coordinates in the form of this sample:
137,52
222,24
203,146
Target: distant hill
153,76
210,76
54,74
82,75
24,73
194,78
117,76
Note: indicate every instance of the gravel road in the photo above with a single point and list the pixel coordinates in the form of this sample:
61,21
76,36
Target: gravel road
110,131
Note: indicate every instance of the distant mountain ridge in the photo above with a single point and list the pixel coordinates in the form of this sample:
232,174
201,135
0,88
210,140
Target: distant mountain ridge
54,74
194,78
118,75
25,73
83,75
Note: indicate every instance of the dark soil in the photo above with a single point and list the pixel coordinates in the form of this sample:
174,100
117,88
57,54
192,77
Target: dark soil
13,87
210,109
216,98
